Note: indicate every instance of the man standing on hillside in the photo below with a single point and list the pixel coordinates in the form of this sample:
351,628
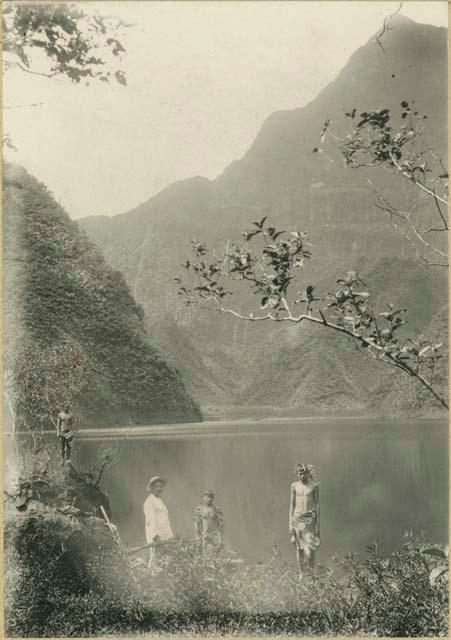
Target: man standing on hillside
208,524
64,431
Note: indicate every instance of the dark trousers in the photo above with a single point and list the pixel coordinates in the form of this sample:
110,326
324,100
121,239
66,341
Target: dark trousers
65,447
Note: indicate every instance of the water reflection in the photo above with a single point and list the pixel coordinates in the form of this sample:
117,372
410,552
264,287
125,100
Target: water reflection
377,479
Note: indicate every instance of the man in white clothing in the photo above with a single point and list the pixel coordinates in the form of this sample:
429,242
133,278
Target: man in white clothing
158,526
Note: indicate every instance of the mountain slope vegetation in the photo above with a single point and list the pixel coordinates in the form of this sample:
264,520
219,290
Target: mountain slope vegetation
73,332
280,176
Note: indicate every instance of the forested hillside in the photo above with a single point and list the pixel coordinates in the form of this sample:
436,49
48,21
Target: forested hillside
225,362
72,331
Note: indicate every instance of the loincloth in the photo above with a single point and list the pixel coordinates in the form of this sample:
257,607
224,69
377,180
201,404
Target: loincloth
304,525
211,541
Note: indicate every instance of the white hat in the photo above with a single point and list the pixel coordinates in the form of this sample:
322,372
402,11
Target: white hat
154,480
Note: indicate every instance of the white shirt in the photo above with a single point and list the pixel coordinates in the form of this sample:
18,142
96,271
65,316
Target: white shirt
157,519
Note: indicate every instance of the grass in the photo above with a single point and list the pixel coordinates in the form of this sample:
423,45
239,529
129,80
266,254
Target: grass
78,589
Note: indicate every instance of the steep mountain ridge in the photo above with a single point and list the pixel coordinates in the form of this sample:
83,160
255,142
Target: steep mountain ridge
73,332
281,177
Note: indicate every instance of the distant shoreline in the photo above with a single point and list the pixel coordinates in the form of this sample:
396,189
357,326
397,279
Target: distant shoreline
254,427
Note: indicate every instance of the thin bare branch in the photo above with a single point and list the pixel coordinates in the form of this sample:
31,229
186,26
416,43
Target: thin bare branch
440,212
420,185
434,229
392,211
419,235
36,73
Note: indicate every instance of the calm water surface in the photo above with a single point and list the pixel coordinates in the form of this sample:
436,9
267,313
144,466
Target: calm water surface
378,479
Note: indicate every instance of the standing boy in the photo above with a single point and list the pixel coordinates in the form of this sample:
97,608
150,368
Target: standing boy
64,431
209,524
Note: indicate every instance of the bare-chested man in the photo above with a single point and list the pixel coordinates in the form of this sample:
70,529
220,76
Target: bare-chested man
304,515
64,431
208,524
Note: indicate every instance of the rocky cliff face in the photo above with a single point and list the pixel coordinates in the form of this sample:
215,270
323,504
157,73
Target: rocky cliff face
220,359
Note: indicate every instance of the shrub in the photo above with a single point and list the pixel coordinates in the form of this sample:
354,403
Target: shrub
52,561
89,590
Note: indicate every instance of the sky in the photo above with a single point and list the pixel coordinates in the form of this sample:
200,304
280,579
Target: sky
202,78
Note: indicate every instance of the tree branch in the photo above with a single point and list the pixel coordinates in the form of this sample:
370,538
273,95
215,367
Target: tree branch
102,469
351,313
440,212
418,234
365,342
36,73
416,182
388,208
385,27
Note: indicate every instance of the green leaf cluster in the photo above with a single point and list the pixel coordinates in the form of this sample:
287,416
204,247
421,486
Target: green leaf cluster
73,42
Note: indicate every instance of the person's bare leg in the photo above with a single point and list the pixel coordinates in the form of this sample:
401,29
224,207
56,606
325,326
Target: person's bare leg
150,564
300,557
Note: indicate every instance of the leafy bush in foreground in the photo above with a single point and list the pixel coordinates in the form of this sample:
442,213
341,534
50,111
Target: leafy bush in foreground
377,596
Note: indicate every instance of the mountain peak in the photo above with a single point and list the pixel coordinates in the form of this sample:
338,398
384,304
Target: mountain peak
223,362
399,20
396,23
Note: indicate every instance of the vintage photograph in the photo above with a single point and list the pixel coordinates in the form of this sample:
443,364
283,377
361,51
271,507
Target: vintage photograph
225,318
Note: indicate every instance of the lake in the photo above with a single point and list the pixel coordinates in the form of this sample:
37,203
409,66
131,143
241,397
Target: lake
378,478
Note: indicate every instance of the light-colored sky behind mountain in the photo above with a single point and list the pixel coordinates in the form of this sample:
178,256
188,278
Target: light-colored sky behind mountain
202,78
